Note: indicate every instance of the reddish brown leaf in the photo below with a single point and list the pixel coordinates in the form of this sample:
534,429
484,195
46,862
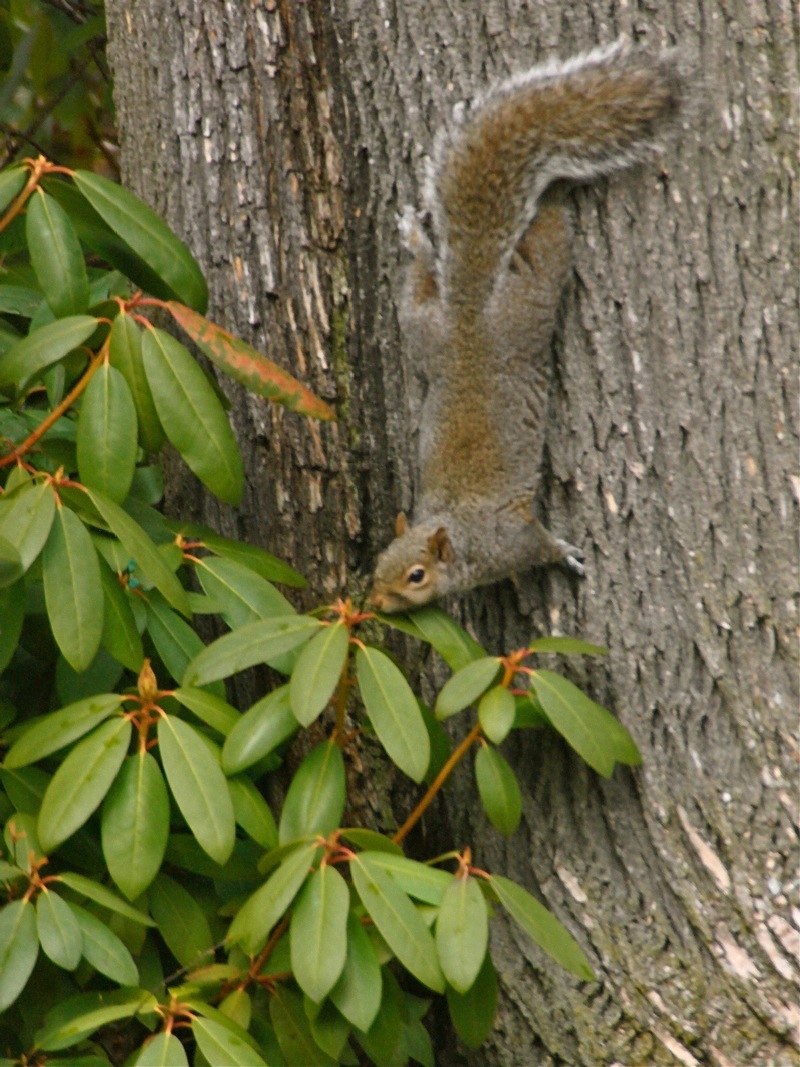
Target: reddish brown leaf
247,366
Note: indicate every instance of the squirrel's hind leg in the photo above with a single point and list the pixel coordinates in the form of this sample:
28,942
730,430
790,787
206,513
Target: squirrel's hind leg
547,549
535,546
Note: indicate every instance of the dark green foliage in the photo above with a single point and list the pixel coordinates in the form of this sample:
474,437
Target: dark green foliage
56,86
145,881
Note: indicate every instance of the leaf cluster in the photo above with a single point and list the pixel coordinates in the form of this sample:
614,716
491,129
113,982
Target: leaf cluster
146,881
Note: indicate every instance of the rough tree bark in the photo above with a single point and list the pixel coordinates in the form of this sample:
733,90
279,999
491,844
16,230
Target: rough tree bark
280,138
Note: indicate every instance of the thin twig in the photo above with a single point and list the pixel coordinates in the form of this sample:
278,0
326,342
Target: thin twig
437,783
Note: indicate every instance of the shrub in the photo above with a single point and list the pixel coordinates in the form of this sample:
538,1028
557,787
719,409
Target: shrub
153,905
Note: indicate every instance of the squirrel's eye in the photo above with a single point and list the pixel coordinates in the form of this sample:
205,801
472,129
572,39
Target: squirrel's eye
416,576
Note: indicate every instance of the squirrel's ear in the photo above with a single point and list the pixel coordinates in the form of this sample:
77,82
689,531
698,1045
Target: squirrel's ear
400,524
440,547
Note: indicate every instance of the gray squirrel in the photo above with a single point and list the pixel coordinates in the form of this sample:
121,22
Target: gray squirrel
491,256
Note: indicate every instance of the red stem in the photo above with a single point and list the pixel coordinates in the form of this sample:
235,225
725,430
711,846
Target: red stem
437,783
56,413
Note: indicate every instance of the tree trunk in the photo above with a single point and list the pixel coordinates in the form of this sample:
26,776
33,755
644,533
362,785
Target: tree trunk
280,139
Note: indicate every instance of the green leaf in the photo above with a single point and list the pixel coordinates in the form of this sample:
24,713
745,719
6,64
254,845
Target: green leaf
135,824
11,568
293,1031
125,354
216,1015
435,626
18,477
19,947
75,1018
181,921
192,415
393,712
249,556
238,1006
81,782
20,300
44,346
260,730
162,1050
252,812
529,713
107,434
330,1030
149,237
419,880
56,255
102,673
242,595
199,787
590,729
185,853
104,950
216,713
8,338
397,921
97,236
12,180
318,936
260,912
498,789
72,590
566,646
386,1044
275,857
86,887
257,642
26,517
52,732
542,926
246,365
496,713
315,799
418,1040
12,616
371,840
220,1045
176,642
466,686
59,933
140,548
473,1012
462,932
120,634
317,671
357,994
25,787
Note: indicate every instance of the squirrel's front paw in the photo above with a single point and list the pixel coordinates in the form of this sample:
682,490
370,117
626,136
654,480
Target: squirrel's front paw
573,558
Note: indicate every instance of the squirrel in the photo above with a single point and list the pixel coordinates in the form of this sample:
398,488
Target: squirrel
491,257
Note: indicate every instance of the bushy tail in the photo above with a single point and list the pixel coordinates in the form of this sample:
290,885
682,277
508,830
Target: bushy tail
578,120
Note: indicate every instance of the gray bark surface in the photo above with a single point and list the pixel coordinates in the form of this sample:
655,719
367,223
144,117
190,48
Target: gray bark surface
280,139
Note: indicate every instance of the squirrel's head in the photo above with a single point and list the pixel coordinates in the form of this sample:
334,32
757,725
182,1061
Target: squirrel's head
413,570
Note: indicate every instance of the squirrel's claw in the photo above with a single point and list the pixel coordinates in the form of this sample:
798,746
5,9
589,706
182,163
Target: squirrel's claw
573,558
